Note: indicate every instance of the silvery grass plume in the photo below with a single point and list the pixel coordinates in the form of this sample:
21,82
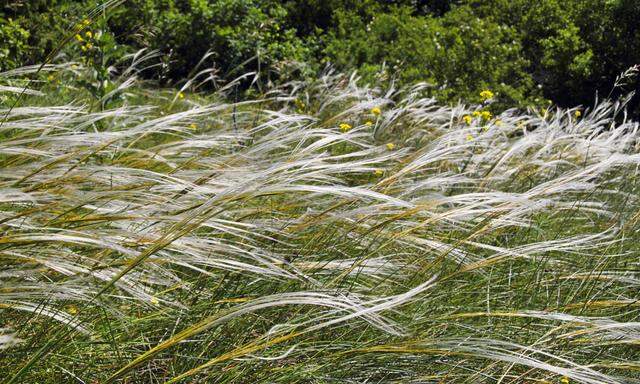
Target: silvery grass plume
325,231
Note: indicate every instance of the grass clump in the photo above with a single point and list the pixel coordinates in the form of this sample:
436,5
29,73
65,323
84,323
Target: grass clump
176,237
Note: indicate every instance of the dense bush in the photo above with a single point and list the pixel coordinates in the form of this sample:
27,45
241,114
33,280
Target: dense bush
524,51
243,34
458,53
46,23
574,47
13,41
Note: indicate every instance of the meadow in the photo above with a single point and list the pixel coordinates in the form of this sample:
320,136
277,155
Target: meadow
320,232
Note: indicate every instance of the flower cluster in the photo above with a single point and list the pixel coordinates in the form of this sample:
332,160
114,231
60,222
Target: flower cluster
486,95
87,44
484,115
344,127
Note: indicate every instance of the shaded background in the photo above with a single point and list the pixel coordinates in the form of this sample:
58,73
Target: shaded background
566,51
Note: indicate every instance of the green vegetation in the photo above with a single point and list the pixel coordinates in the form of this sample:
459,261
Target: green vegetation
528,52
194,191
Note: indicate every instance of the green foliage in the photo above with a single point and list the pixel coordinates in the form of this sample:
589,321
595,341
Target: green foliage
243,34
526,52
459,54
98,51
47,23
574,47
13,41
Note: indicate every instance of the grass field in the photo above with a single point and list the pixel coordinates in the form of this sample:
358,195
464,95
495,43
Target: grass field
323,232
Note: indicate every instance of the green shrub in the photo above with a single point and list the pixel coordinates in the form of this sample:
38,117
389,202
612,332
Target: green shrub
13,41
563,50
459,54
249,35
575,47
47,22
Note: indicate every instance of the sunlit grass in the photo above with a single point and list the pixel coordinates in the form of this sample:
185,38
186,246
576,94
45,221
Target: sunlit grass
192,238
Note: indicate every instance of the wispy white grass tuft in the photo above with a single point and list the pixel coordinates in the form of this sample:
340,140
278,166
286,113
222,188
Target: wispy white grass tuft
162,238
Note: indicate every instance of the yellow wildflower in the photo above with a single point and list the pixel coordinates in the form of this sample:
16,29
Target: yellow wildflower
476,114
467,119
486,95
180,95
89,45
86,22
344,127
84,48
498,122
376,111
390,146
88,34
154,300
564,380
378,172
193,126
72,309
79,38
486,115
577,113
50,77
469,137
369,123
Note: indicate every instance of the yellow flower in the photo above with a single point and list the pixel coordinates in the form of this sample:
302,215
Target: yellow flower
390,146
498,122
72,309
180,95
193,126
467,119
84,48
79,38
378,172
577,113
89,45
486,95
564,380
86,22
376,111
154,300
469,137
486,115
50,77
369,123
344,127
476,114
88,34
